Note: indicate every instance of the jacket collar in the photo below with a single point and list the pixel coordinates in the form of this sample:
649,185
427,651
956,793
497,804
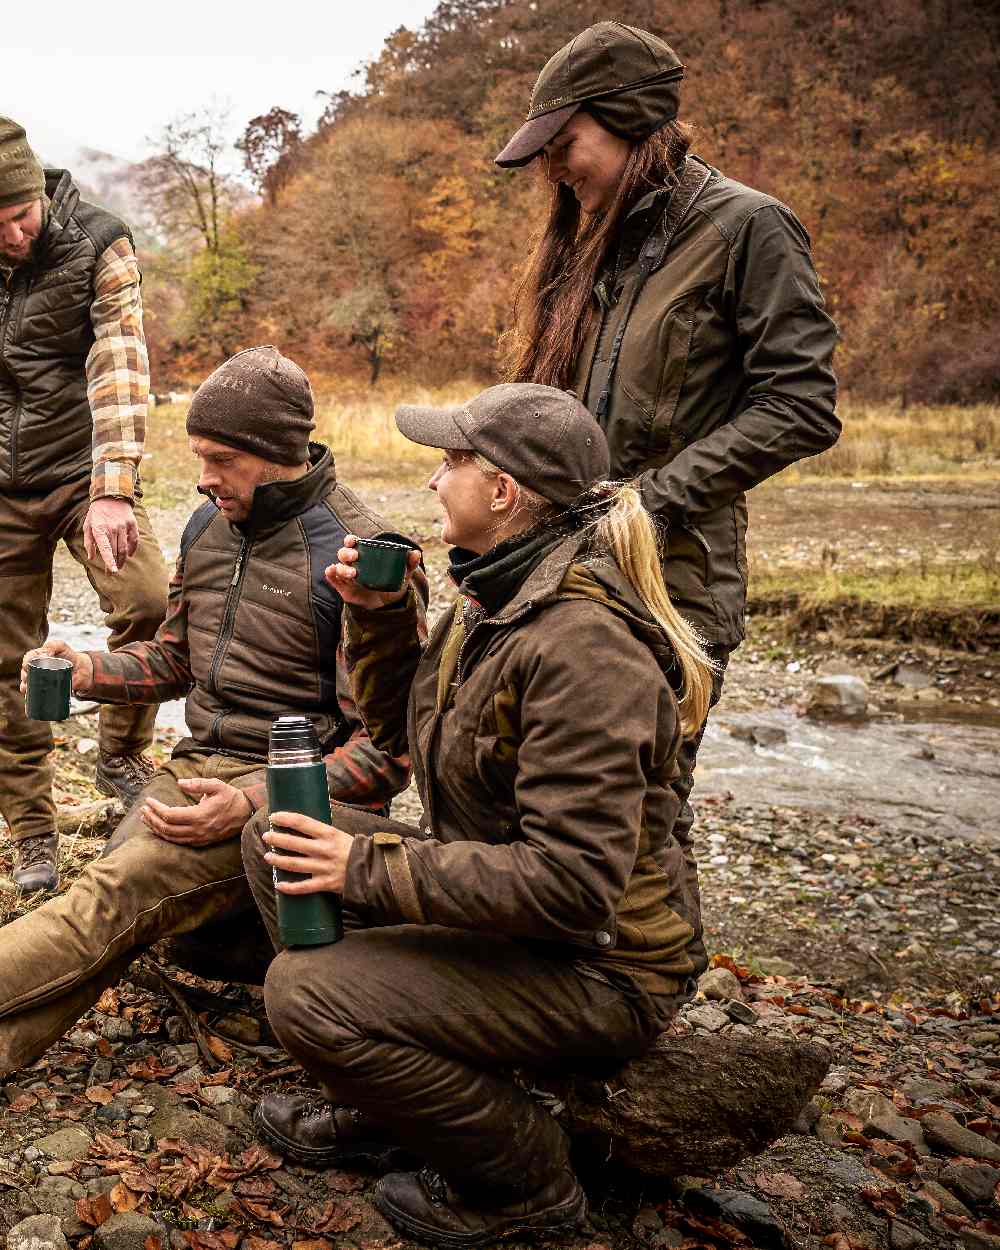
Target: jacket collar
275,503
58,204
595,577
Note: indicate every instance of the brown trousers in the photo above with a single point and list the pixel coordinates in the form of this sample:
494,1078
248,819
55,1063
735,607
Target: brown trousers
416,1024
55,961
133,602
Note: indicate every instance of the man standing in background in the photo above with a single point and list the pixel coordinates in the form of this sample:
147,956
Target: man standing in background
74,388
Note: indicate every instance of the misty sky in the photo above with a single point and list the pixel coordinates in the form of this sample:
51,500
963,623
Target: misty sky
77,74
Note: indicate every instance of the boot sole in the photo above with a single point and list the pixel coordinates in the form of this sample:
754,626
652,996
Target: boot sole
328,1157
572,1212
44,888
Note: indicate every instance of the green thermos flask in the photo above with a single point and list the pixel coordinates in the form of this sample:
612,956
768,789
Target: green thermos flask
296,782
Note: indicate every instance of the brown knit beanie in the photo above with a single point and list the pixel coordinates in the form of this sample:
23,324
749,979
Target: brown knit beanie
258,401
21,176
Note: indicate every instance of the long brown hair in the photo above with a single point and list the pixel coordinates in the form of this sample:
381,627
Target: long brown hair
554,300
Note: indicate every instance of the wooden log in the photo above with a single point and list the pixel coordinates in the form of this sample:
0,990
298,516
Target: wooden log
693,1105
89,820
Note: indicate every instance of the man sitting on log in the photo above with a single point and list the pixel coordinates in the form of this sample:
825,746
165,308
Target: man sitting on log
252,630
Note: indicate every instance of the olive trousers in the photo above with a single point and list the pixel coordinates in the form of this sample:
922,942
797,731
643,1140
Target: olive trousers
419,1027
56,960
133,602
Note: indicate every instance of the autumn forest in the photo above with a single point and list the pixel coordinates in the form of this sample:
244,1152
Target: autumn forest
387,243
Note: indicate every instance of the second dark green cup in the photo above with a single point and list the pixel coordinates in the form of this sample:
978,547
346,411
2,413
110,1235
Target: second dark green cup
50,682
381,565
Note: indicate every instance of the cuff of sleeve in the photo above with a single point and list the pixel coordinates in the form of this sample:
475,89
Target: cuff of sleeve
256,793
378,883
113,479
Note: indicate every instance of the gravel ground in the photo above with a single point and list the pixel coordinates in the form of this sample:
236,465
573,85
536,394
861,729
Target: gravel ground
876,934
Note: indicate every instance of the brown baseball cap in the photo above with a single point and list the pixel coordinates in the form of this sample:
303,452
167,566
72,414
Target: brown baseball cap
543,437
628,78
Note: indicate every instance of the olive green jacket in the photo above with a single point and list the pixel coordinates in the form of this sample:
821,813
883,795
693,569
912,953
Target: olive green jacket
543,743
724,378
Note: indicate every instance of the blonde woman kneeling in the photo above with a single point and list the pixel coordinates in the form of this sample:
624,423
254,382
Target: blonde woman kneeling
537,918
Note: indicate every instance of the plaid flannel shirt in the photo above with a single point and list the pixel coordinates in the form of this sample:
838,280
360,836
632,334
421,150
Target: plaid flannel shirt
154,671
117,374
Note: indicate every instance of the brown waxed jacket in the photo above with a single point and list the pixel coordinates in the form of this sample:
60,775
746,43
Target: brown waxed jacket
543,746
724,378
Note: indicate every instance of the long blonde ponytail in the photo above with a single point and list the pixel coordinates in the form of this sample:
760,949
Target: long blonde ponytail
623,527
626,530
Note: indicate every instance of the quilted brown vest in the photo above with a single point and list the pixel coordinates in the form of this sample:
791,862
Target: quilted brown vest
46,427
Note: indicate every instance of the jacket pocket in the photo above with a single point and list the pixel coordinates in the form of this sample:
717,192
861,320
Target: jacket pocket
653,365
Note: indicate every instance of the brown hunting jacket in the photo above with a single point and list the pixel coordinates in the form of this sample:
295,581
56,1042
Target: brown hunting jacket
723,376
543,746
253,631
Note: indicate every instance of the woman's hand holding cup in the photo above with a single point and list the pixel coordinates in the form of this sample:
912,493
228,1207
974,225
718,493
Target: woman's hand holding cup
343,576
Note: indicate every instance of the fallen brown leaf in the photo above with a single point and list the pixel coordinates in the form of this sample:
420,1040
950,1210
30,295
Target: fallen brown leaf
124,1199
337,1217
94,1211
109,1004
781,1185
219,1049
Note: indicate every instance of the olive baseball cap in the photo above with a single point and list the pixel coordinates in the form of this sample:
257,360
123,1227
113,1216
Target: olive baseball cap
628,78
543,437
21,176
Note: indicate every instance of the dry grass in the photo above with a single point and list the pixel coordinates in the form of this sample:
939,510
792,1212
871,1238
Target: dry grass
878,441
919,584
882,440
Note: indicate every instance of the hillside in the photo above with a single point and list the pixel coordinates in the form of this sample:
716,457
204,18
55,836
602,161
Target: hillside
387,241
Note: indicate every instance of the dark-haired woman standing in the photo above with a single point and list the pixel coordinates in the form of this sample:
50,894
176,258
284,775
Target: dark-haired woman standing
682,308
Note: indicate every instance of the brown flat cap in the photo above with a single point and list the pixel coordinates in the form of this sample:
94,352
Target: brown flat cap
628,78
543,437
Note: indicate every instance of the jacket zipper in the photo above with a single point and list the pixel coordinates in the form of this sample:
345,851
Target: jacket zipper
229,614
693,529
6,310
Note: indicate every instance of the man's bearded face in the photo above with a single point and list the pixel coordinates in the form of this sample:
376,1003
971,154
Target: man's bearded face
20,226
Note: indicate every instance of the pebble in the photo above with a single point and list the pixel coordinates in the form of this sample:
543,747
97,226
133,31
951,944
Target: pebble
944,1198
719,984
711,1019
942,1129
38,1232
975,1183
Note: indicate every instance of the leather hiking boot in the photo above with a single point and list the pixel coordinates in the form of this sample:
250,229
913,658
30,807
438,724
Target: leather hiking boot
123,776
35,863
423,1205
316,1133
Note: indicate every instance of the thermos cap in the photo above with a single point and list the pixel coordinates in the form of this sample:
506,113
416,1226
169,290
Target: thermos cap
292,733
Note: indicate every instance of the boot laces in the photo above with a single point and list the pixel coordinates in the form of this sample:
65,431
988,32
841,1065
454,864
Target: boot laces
316,1108
137,767
435,1184
40,849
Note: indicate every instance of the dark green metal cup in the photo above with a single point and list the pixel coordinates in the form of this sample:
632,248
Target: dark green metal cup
50,683
297,782
381,565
